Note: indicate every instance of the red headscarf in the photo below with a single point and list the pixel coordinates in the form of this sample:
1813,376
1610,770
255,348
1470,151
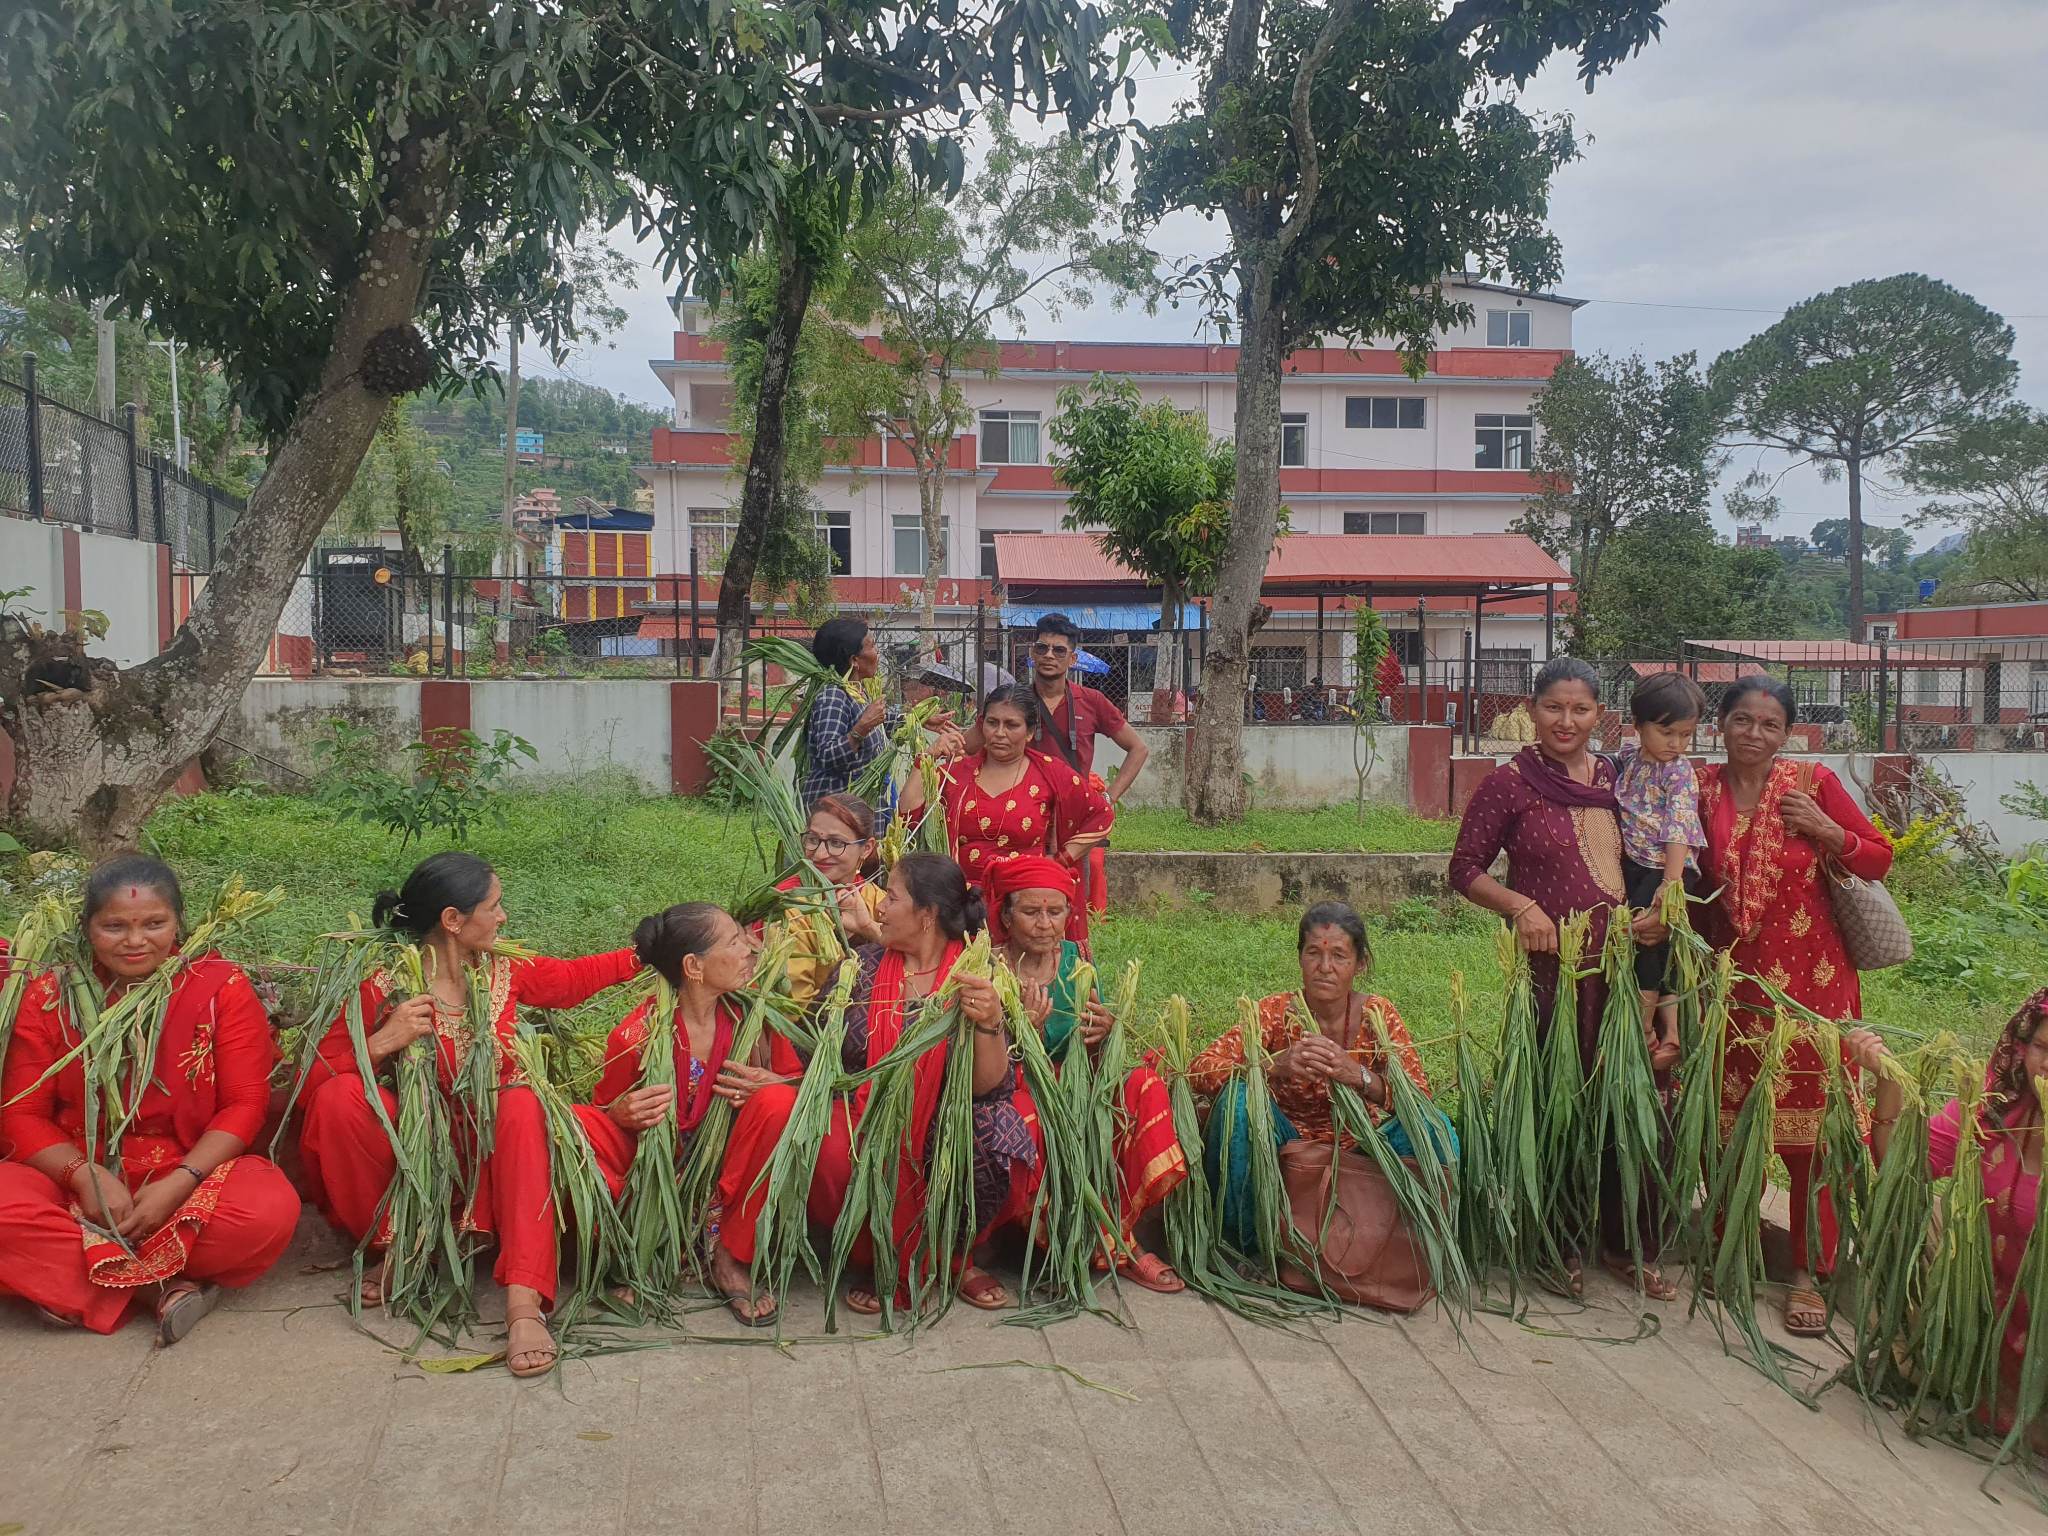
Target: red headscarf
1026,872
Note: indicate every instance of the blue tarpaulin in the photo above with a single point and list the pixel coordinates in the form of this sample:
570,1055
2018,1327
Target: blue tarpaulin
1139,616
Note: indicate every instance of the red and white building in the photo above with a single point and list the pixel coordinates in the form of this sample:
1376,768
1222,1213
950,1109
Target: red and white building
1367,451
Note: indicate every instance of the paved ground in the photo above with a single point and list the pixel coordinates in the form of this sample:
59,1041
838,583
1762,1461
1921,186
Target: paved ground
277,1417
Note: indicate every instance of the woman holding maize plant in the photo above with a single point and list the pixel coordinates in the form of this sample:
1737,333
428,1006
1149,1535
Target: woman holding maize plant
1008,800
1029,900
839,841
1775,829
848,724
929,913
1554,812
2007,1125
1312,1038
704,957
167,1198
452,907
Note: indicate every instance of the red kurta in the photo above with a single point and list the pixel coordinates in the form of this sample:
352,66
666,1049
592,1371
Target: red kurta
347,1156
612,1142
1774,911
1047,808
212,1073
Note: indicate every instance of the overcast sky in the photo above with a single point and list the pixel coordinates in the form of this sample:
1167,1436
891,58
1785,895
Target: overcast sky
1764,151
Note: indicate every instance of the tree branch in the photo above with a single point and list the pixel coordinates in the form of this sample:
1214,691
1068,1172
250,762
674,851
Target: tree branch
1342,14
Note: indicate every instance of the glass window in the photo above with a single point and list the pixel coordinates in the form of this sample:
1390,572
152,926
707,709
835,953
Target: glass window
1293,440
1384,522
1383,412
1358,410
1412,412
711,536
1009,437
1502,441
988,552
836,528
1507,327
906,533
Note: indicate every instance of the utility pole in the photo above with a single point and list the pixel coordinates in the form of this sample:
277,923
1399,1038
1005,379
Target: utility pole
103,359
177,416
511,464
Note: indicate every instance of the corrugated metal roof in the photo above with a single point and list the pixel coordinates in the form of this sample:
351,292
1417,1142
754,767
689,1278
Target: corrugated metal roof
1458,560
1827,653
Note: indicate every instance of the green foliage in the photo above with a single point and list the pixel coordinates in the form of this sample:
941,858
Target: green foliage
2029,800
1149,482
1992,479
453,787
1666,579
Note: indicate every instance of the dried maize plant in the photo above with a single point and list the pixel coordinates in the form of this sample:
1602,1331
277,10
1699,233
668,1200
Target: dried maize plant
1628,1116
1953,1342
1571,1157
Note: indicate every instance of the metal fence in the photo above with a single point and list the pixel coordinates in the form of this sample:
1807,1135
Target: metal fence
61,464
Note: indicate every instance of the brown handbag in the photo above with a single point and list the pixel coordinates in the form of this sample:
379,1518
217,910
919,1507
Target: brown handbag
1874,932
1367,1255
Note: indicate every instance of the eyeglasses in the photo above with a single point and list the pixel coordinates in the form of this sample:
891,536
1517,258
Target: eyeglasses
1043,649
831,847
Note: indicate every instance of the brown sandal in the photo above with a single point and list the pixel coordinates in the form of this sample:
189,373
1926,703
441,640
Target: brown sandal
1649,1280
551,1352
982,1290
1804,1301
1151,1272
180,1310
862,1299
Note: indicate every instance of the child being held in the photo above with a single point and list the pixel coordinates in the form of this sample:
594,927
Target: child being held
1660,828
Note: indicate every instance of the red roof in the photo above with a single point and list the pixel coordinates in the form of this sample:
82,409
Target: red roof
1700,671
1445,561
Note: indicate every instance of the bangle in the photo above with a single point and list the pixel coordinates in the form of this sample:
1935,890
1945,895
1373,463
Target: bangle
990,1029
1525,906
197,1176
70,1168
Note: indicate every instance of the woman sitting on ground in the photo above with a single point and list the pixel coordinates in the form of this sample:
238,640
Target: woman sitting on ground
924,924
1008,800
706,957
183,1209
839,840
451,905
1029,900
1319,1036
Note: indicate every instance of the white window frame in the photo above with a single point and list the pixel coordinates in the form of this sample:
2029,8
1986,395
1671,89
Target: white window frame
1516,432
712,530
831,521
1516,328
901,523
986,550
1011,421
1294,424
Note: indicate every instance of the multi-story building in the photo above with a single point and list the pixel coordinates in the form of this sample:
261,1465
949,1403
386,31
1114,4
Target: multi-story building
1366,450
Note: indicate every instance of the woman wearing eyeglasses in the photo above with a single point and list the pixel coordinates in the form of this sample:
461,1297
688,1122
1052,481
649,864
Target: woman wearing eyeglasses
839,840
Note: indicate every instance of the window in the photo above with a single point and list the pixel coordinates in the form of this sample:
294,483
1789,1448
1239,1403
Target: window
836,529
1275,667
1293,440
988,552
2037,688
906,531
1384,412
1406,646
711,535
1506,669
1383,522
1883,632
1009,437
1507,328
1502,442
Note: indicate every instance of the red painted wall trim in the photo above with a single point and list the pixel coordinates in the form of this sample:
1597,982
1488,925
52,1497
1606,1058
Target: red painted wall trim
74,573
166,622
1467,773
1429,770
692,718
444,706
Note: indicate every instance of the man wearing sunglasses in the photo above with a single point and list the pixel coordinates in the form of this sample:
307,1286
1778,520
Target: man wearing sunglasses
1072,715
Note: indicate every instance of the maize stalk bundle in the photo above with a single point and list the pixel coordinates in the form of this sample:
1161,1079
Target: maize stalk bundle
2029,1398
807,678
584,1212
1737,1196
1842,1162
1571,1158
1429,1194
1702,981
427,1271
656,1247
1253,1109
37,942
1628,1117
1505,1207
782,1229
1953,1342
873,781
1890,1265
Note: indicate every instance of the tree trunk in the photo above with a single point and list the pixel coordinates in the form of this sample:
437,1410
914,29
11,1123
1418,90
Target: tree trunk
103,361
931,505
503,634
1215,789
1855,467
1166,675
90,764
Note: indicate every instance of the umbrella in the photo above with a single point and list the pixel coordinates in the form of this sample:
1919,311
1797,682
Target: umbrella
1084,662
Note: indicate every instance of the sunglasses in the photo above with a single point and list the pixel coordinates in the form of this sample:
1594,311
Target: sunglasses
1043,649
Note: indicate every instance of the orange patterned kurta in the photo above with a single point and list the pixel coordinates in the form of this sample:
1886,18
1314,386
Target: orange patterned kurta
1281,1023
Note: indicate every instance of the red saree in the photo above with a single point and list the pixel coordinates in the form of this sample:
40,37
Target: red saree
347,1155
212,1073
1773,911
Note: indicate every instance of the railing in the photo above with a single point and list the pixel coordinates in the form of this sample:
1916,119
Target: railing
64,465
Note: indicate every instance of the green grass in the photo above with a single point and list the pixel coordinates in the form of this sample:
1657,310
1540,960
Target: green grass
1382,829
580,869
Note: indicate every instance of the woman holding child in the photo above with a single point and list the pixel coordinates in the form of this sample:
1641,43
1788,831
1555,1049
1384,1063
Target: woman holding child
1775,829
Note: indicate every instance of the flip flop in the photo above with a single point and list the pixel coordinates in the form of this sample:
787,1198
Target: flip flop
181,1311
736,1304
865,1302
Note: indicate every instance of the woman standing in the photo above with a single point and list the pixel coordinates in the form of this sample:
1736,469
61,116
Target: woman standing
1553,811
924,924
839,840
705,957
1008,800
189,1209
1335,1043
1774,828
452,906
846,731
1029,900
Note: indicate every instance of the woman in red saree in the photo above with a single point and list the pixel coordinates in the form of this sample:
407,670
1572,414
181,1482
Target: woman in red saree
1029,899
924,923
1008,800
452,906
706,957
194,1209
1773,828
